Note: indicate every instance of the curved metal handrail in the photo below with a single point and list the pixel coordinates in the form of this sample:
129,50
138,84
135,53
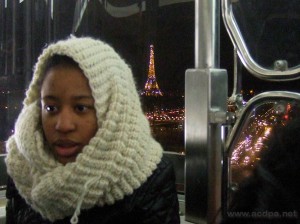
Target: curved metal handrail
253,67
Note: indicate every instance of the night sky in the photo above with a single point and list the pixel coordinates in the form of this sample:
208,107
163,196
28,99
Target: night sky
170,28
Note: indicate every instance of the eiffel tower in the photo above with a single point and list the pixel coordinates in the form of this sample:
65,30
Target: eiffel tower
151,87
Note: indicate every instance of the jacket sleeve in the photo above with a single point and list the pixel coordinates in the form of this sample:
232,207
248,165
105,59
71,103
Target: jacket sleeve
17,210
160,201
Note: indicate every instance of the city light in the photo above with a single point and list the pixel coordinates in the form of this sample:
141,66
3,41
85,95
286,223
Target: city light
151,87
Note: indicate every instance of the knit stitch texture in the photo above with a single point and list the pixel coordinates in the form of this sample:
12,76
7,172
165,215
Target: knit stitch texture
118,159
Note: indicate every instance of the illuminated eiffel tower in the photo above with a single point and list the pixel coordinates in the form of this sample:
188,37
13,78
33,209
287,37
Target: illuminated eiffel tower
151,87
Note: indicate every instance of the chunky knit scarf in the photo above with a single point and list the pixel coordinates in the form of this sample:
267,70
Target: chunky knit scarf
118,159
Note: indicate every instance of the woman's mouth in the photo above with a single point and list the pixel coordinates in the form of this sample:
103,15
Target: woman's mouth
66,148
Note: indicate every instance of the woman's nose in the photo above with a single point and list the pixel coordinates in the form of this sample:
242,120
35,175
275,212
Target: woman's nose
65,121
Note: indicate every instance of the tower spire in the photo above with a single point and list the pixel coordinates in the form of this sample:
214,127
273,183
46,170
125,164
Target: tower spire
151,87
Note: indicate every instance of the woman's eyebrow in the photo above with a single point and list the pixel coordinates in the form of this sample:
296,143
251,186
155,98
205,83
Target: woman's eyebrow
80,97
49,97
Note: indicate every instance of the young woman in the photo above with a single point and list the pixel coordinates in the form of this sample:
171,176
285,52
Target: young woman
82,150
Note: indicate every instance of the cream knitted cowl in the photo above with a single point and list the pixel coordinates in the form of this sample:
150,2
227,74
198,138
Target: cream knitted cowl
118,159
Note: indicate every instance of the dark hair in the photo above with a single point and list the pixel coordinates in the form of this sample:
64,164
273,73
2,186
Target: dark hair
56,60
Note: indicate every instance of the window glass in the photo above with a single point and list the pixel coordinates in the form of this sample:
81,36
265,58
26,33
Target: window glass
156,38
251,165
254,131
261,21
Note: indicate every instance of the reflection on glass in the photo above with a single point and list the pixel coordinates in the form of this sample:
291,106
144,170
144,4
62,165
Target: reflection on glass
254,178
254,133
270,30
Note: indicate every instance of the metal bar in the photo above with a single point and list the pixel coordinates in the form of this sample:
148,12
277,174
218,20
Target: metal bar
14,36
207,33
205,104
28,41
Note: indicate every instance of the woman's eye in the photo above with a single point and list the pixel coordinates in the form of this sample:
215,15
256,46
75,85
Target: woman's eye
81,108
50,108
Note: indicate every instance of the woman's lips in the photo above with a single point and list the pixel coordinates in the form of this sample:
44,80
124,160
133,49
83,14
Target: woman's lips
66,148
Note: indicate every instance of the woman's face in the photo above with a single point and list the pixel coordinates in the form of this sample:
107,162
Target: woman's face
68,114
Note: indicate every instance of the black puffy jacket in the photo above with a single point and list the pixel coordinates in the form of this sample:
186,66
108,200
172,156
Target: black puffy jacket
155,202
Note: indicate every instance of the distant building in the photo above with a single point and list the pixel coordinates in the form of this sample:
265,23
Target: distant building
151,87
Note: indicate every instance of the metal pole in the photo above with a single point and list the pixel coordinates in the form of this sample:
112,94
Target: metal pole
28,41
205,104
14,36
207,34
